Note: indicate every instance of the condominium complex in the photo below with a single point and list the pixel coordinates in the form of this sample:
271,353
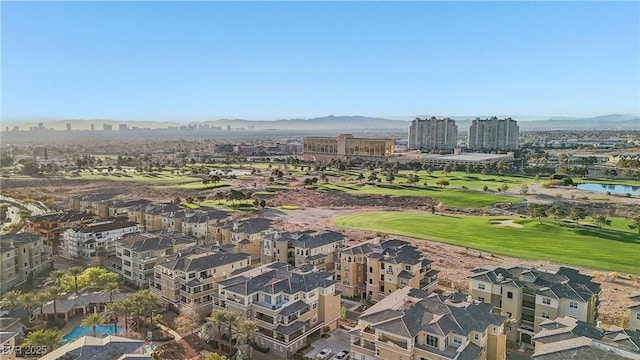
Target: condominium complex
433,134
23,256
288,304
568,338
191,277
84,241
634,312
243,236
51,226
529,295
493,134
317,249
377,268
410,324
346,146
137,254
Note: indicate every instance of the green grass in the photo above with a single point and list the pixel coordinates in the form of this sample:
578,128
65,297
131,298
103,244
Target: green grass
289,207
451,197
198,186
160,178
241,205
613,249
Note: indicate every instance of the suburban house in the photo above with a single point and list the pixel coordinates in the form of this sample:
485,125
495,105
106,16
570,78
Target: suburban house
137,254
50,226
191,277
288,304
569,338
634,312
377,268
107,348
84,241
529,296
22,257
411,324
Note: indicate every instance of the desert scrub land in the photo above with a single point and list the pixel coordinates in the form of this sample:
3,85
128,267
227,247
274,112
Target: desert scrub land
612,248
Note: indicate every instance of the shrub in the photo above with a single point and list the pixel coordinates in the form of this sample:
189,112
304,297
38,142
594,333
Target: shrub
558,195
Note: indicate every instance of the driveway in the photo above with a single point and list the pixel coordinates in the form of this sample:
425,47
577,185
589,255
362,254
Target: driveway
339,340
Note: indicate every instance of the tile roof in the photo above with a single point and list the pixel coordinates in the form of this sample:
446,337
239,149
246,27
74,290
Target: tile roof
189,261
156,240
104,225
310,241
90,348
13,241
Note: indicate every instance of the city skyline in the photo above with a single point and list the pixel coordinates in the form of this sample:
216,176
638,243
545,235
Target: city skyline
273,61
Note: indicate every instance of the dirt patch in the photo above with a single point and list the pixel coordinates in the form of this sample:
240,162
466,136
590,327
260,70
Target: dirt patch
506,223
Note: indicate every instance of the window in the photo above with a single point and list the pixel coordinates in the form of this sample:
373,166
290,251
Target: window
509,295
494,330
314,306
545,315
311,294
573,304
480,298
371,281
546,301
431,341
481,286
457,339
638,316
370,269
476,336
407,267
377,351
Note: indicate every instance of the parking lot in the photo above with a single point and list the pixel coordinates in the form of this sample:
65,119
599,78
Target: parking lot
338,341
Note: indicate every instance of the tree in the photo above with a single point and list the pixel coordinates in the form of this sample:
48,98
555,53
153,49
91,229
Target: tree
412,179
524,189
360,177
11,300
215,356
41,299
111,288
557,212
92,320
504,187
110,316
56,276
635,223
390,177
28,300
121,308
262,203
53,293
75,272
576,214
187,321
247,329
218,318
442,182
47,338
502,167
485,188
536,211
343,313
601,220
230,319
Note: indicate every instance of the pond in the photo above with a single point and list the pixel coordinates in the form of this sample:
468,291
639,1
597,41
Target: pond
614,189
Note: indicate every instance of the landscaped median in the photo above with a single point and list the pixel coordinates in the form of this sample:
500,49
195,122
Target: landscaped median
608,249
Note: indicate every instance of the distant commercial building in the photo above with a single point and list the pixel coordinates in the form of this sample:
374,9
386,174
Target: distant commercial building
107,127
471,159
68,126
346,146
22,257
493,134
123,127
93,127
433,134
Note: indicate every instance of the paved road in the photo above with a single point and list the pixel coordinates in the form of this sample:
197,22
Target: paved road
339,340
37,208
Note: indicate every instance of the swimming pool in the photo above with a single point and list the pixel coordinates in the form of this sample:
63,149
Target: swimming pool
80,331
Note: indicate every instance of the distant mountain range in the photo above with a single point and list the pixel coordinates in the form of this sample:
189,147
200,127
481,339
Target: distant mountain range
345,124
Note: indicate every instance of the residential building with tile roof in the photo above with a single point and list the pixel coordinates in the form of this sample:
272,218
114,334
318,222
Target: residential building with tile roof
288,304
530,295
634,312
411,324
23,256
107,348
51,226
246,235
83,241
191,276
316,248
379,267
568,338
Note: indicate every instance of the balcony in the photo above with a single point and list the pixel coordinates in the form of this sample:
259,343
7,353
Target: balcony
265,318
394,342
529,304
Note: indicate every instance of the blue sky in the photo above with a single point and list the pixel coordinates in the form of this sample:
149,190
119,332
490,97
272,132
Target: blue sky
267,60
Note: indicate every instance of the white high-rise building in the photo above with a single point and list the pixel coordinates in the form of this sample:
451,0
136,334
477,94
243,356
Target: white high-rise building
433,134
493,134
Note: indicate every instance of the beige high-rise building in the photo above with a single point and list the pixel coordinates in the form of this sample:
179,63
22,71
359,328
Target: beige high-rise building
433,134
529,296
377,268
346,146
23,256
410,324
288,304
493,134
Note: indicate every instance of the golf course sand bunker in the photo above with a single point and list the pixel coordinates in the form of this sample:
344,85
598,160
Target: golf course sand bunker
508,223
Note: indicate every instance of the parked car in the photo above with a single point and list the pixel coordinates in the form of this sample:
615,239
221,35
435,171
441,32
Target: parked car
4,313
342,355
324,354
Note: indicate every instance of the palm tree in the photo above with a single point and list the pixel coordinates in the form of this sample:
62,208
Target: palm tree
28,300
75,272
92,320
11,300
53,293
56,276
247,328
218,317
47,338
230,318
120,307
111,288
41,299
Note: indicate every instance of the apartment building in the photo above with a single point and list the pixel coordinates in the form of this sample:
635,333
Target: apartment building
88,202
243,236
634,312
317,249
288,304
379,267
346,146
569,338
200,223
433,134
83,241
22,257
118,208
138,253
411,324
51,226
191,277
529,296
493,134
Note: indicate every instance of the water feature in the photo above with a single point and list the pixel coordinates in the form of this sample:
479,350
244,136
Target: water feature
612,188
80,331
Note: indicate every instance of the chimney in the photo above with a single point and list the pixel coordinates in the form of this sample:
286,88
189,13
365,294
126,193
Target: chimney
500,277
469,299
